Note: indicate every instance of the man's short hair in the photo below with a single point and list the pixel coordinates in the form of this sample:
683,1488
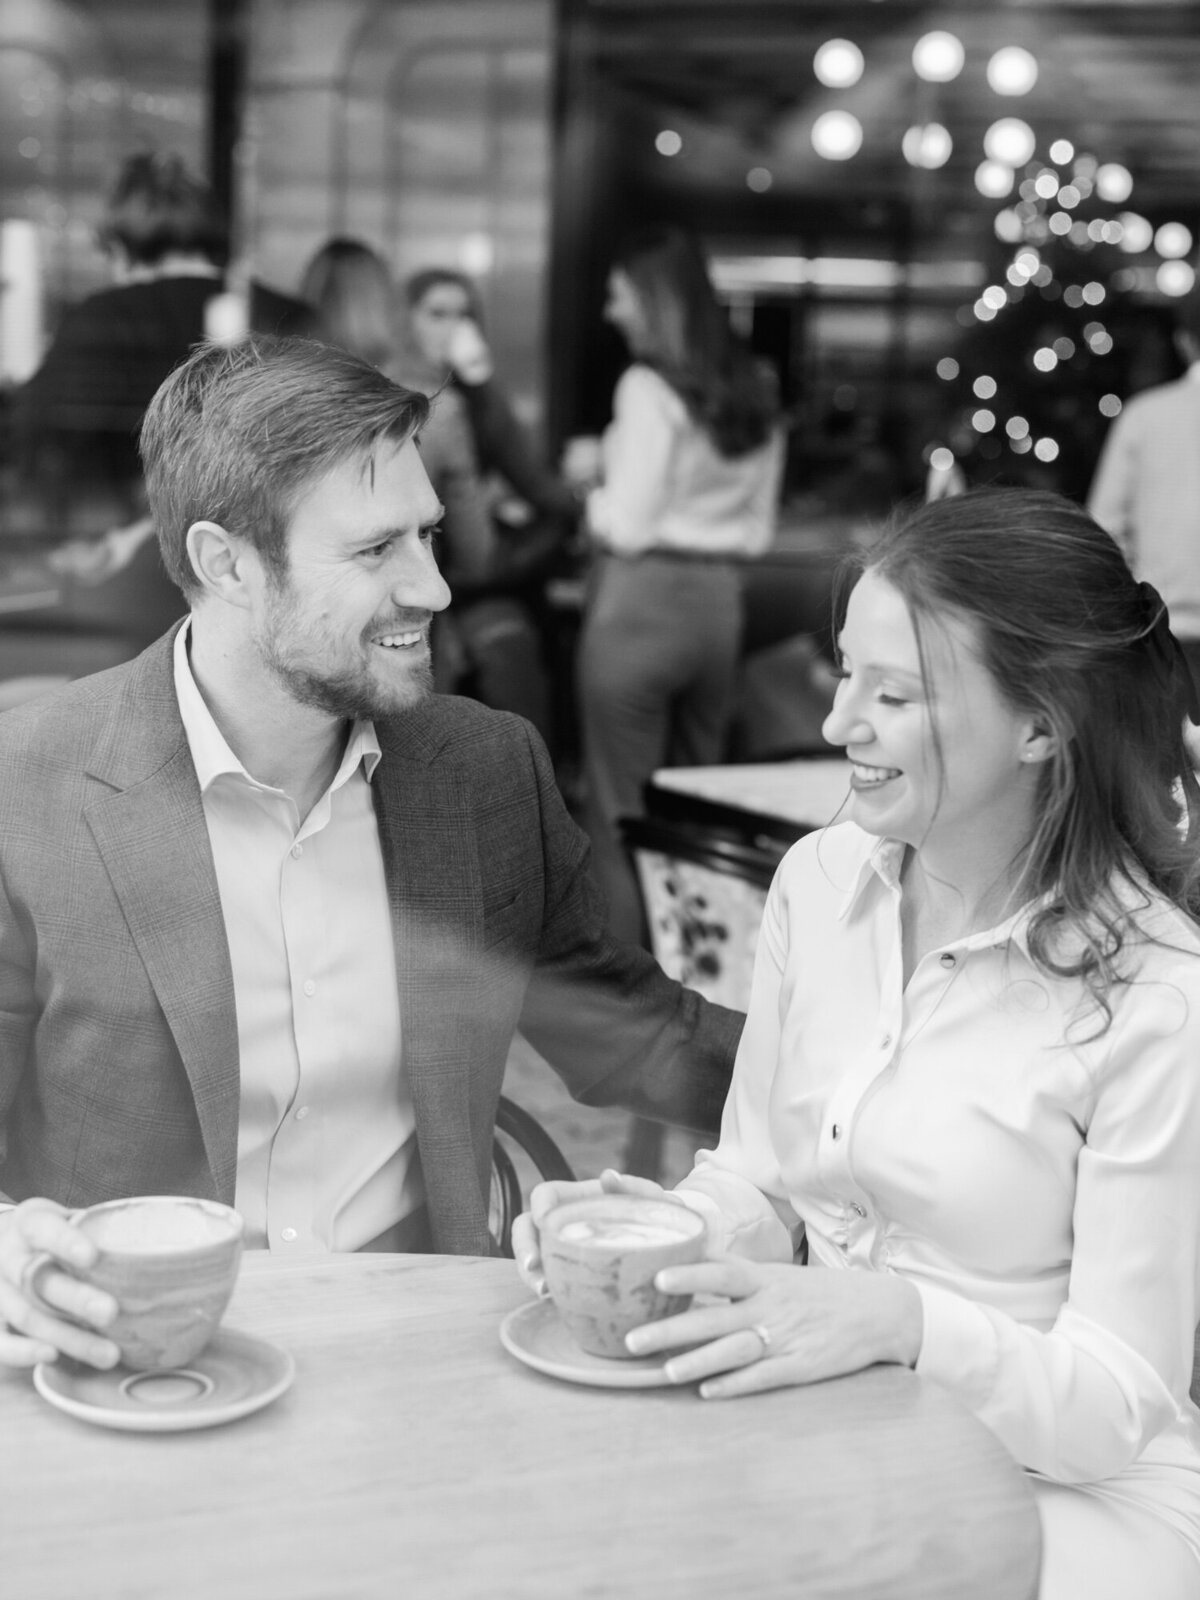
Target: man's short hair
236,433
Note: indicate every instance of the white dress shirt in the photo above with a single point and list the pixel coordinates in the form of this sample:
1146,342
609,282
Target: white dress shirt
1037,1179
326,1133
666,486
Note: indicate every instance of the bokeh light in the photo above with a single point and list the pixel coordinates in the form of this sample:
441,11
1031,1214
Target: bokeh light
983,421
993,179
984,387
1173,240
928,145
1138,234
1012,70
1114,182
941,459
938,57
1110,405
836,135
1010,140
1175,278
668,142
838,63
1044,359
1046,449
948,368
759,179
1062,151
1016,428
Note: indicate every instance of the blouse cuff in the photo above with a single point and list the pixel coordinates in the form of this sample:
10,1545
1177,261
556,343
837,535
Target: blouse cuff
959,1348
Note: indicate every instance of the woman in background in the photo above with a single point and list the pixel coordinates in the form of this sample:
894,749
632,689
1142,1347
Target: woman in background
690,473
350,287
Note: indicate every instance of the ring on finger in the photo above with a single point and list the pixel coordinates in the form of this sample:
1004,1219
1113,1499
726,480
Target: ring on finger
763,1335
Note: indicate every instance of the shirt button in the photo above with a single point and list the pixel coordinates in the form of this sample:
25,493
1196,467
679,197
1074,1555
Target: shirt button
301,1113
297,851
857,1209
288,1235
886,1041
310,987
837,1130
946,959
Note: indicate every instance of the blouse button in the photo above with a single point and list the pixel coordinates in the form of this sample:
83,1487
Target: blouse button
837,1130
857,1209
885,1042
946,959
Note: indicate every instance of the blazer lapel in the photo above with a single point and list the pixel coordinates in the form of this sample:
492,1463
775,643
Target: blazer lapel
435,892
150,831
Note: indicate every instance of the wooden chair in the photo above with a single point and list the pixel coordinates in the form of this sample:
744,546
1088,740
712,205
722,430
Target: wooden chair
523,1154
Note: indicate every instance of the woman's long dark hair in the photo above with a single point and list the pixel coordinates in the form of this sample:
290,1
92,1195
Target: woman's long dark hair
1070,638
689,341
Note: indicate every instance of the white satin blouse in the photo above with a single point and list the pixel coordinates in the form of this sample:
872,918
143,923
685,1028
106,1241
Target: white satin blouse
1036,1179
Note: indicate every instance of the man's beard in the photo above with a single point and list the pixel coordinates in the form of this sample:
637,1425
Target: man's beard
348,694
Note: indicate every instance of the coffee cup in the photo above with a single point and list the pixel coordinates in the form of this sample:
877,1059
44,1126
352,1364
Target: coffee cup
600,1257
170,1262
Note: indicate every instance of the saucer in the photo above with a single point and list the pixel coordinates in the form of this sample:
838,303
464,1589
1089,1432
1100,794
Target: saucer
536,1335
232,1376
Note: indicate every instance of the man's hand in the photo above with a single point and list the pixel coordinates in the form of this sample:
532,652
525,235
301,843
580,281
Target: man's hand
38,1239
527,1228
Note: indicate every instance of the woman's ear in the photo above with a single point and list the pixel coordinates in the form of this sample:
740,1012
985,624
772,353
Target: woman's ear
1039,745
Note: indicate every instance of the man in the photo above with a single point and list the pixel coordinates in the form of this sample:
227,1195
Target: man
1146,491
269,911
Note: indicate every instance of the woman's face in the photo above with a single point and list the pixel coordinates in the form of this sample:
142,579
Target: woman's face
624,310
885,712
434,318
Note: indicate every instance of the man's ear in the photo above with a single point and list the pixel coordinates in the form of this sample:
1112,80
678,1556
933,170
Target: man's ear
222,561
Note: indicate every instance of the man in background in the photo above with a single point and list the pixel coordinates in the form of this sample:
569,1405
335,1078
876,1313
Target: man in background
1146,490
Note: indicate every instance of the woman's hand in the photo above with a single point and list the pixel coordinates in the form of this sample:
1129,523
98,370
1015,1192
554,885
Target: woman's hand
781,1325
526,1229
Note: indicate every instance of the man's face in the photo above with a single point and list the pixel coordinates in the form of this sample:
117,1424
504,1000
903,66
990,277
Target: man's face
436,316
346,631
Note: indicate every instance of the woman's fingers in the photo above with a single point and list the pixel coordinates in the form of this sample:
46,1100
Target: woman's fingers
734,1350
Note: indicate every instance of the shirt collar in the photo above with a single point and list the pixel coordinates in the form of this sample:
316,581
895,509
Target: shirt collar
211,755
884,863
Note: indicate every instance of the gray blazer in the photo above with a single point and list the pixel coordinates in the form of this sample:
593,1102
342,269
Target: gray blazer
118,1037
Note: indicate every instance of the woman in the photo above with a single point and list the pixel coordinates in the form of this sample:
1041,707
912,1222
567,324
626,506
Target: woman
501,621
970,1075
349,285
691,466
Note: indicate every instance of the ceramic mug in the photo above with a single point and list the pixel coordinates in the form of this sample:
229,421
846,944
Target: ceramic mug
170,1262
600,1257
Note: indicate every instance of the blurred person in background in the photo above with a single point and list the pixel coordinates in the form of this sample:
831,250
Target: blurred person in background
688,483
351,288
534,510
78,417
1146,490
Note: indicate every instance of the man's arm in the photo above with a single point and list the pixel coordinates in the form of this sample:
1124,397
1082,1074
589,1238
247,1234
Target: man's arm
616,1029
